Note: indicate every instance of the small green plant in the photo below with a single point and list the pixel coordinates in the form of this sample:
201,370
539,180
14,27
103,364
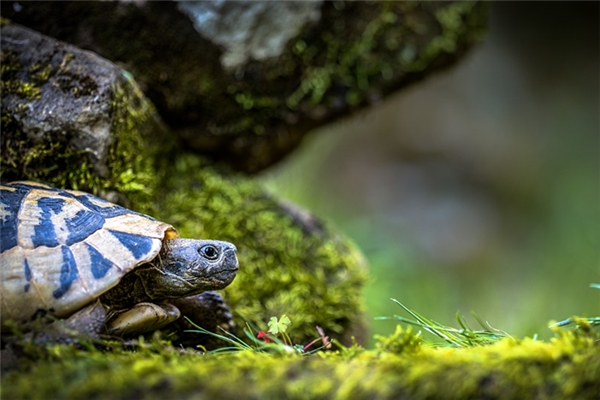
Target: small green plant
463,337
275,340
468,337
581,323
280,327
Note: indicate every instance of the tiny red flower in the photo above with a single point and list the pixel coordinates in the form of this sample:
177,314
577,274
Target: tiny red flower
264,337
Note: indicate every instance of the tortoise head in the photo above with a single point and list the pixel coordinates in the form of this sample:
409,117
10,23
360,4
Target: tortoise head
186,267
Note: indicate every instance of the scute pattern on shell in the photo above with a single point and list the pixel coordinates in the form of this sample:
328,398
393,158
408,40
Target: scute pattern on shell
61,249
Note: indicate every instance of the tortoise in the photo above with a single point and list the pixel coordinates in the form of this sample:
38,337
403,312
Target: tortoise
100,267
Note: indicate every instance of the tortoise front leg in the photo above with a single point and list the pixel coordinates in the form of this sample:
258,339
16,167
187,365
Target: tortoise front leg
88,323
207,310
142,318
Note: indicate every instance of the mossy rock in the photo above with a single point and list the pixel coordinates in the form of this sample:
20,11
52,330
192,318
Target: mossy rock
74,120
350,56
567,367
291,263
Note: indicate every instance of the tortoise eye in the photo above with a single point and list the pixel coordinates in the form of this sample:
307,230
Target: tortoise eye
209,252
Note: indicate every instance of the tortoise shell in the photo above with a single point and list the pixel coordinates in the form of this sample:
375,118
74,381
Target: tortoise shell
61,249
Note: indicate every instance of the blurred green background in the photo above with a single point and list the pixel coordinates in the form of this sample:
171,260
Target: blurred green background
478,189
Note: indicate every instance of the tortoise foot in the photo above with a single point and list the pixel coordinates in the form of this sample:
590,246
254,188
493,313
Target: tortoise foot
142,318
207,310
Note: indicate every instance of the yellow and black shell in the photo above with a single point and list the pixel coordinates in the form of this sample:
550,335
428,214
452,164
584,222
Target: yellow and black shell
61,249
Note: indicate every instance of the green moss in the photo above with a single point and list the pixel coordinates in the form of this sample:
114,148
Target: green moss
40,73
44,162
10,64
313,277
566,367
362,65
400,342
349,63
456,20
10,83
139,136
23,89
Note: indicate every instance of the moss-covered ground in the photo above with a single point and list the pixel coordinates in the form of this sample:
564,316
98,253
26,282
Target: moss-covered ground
401,367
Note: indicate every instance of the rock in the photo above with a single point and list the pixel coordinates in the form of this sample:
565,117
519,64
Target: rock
244,90
256,30
35,94
72,119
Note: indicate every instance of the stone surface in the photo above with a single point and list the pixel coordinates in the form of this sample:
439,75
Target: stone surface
43,113
232,92
250,30
71,118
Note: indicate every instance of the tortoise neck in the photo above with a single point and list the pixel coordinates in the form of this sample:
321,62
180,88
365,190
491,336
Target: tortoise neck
128,292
